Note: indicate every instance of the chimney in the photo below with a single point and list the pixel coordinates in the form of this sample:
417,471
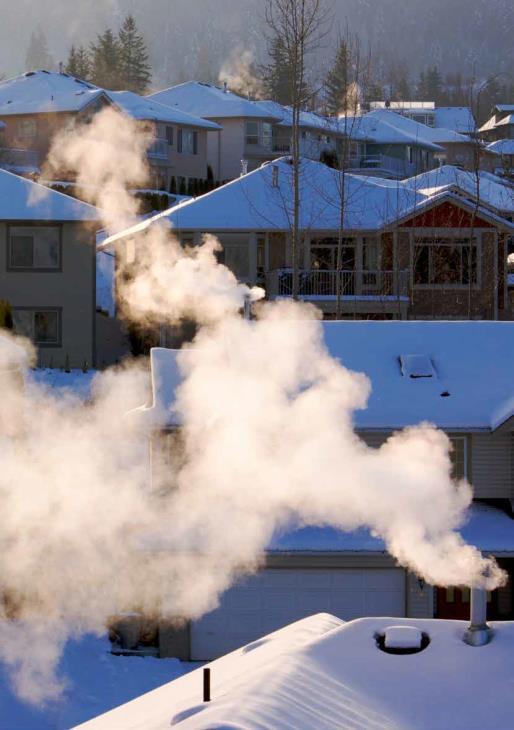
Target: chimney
61,67
478,632
225,87
274,176
247,308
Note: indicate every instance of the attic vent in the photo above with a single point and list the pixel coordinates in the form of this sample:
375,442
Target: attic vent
402,640
417,366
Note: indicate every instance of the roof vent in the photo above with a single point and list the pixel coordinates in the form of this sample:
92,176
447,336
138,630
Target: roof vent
417,366
274,176
402,640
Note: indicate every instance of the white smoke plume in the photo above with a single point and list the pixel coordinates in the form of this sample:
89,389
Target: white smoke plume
268,443
239,73
108,156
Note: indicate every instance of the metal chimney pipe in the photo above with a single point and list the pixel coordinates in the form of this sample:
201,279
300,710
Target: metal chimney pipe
478,632
206,684
247,308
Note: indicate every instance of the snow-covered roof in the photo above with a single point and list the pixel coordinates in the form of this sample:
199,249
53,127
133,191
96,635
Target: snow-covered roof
147,109
489,529
495,193
308,120
45,91
502,147
386,127
418,131
166,378
325,673
262,200
504,107
458,118
493,124
472,387
472,362
22,199
209,101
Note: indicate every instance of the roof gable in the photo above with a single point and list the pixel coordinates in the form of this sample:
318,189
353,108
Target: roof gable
22,199
446,214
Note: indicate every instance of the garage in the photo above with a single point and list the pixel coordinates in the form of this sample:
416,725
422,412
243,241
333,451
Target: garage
274,597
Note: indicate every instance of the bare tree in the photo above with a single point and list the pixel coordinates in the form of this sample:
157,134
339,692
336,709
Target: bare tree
300,25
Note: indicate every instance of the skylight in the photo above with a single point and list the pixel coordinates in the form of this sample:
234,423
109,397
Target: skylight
417,366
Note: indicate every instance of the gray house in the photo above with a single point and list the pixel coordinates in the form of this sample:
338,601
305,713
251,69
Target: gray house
47,270
463,385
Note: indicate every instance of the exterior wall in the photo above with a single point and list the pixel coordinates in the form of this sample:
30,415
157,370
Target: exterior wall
47,125
460,154
180,164
482,300
111,340
490,461
71,289
420,598
226,148
491,465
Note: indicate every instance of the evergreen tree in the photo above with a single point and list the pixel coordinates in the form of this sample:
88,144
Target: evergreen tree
38,56
434,85
106,61
403,89
338,82
421,89
277,75
78,63
135,71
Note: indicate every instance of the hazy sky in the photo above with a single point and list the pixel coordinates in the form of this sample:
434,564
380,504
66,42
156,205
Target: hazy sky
185,36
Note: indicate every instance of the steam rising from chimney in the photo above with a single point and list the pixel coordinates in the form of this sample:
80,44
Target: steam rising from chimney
268,444
239,75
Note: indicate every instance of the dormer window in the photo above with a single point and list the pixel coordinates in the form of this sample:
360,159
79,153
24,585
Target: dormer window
417,366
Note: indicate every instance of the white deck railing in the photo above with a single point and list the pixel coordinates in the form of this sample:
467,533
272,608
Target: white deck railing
322,283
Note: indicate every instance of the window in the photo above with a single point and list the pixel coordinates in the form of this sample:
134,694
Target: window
35,248
169,136
187,141
451,262
42,326
324,254
266,135
459,457
27,128
410,153
252,132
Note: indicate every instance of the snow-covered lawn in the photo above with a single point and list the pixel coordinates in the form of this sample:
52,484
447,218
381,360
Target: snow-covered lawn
97,682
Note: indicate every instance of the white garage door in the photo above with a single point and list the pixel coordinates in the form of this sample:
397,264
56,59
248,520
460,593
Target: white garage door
275,597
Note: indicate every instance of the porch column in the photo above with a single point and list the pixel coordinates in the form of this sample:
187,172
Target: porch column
396,266
252,257
359,261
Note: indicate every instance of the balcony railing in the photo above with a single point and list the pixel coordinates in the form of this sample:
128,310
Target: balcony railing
158,149
326,284
13,158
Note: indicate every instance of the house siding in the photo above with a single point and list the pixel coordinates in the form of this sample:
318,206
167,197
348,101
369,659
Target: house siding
491,465
420,600
71,290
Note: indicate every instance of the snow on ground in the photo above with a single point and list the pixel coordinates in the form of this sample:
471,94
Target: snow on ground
323,673
97,681
75,382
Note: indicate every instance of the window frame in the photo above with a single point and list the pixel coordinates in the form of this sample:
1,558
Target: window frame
34,310
464,440
439,241
33,269
170,135
23,122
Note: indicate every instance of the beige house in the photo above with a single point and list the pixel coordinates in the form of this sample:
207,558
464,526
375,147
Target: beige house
245,139
38,104
47,270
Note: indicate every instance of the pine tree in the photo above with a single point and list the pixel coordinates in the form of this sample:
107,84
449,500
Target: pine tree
403,89
277,75
78,63
106,61
338,81
135,71
434,85
38,56
421,89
